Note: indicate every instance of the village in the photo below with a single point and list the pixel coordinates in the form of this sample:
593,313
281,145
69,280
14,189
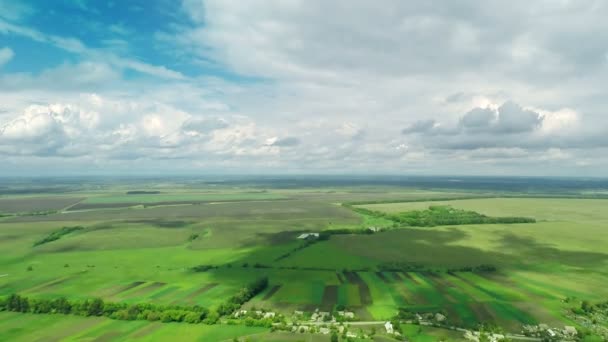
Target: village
344,323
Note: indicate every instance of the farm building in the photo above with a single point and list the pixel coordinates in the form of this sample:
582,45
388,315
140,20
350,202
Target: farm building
389,327
346,314
307,236
570,331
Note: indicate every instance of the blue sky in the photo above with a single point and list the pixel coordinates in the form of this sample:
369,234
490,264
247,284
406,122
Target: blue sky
208,86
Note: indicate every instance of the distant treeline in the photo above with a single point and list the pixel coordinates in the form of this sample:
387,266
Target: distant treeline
30,213
142,192
441,216
384,267
202,268
408,200
410,267
56,235
97,307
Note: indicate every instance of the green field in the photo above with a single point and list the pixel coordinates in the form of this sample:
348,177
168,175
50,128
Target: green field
145,254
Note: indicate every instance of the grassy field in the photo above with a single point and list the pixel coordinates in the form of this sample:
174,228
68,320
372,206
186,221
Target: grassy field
144,255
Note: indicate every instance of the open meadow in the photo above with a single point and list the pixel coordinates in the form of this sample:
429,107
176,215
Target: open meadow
198,247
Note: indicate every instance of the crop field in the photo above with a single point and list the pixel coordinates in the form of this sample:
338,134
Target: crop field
147,248
36,204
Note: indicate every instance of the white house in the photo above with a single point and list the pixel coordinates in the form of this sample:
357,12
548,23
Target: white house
389,327
570,331
306,236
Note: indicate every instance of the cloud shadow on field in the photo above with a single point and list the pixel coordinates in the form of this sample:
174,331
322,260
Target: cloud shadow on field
532,250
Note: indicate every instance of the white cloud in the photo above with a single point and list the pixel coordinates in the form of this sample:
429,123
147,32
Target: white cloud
337,85
6,54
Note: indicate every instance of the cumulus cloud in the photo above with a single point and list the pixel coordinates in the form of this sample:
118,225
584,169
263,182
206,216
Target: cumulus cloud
351,130
204,125
509,127
507,119
42,130
283,142
327,85
420,126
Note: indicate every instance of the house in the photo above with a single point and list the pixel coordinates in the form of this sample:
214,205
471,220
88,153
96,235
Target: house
551,333
301,328
389,327
570,331
269,315
497,337
439,317
373,229
240,313
346,314
324,331
308,236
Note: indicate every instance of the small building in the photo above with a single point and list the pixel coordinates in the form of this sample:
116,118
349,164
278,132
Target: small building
269,315
300,328
351,335
497,337
570,331
298,313
324,331
240,313
551,333
439,317
346,314
308,236
389,327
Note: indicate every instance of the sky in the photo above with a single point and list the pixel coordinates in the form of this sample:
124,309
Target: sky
304,86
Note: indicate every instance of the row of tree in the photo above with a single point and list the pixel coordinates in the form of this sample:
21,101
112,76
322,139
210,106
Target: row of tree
441,216
243,296
98,307
56,235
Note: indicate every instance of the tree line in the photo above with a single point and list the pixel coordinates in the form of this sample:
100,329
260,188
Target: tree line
440,215
56,235
244,295
98,307
132,311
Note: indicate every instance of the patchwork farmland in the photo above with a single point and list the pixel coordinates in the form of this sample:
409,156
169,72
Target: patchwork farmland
187,249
